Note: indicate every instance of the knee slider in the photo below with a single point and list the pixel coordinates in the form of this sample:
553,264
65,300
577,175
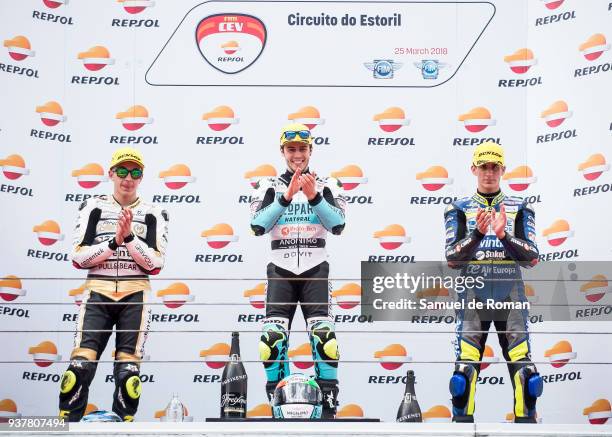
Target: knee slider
534,385
80,372
272,342
323,339
127,377
461,379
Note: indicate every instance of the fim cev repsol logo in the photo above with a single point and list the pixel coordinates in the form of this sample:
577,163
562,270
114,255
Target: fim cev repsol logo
231,43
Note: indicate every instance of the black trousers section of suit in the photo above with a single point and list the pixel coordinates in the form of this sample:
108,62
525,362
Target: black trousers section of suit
102,313
289,289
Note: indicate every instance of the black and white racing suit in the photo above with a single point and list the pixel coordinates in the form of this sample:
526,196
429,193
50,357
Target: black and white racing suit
116,293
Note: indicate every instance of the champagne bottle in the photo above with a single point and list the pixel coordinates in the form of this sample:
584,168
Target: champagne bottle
409,410
234,384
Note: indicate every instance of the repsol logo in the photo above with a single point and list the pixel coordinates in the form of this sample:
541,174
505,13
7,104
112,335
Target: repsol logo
534,199
519,83
382,141
555,256
320,141
19,71
52,18
95,80
210,258
43,254
391,259
474,141
356,318
80,197
536,318
51,136
561,377
117,22
587,191
41,376
20,191
124,139
601,68
245,199
386,379
70,317
174,198
175,318
207,378
434,319
490,380
11,311
360,200
431,200
143,378
543,21
219,140
604,310
556,136
250,318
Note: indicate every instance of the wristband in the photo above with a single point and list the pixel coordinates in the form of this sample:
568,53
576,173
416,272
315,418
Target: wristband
129,238
112,244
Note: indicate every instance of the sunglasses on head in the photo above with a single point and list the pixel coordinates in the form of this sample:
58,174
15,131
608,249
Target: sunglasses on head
291,134
122,172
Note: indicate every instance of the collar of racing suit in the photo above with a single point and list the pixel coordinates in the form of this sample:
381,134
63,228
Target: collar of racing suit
286,177
131,205
490,199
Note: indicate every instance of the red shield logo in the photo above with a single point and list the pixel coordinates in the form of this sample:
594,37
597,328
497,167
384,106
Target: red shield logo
231,42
